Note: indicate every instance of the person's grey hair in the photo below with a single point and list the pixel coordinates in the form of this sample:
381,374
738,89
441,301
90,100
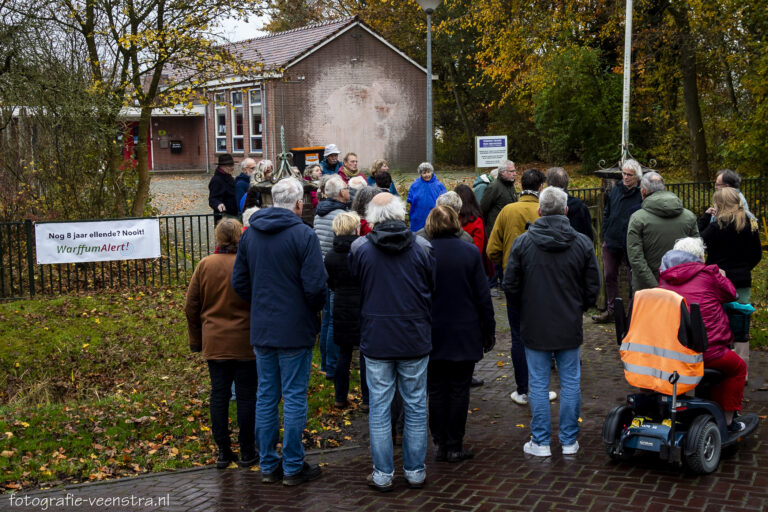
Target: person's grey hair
286,192
393,210
552,201
333,187
362,198
652,182
503,165
357,182
450,199
244,163
634,166
247,215
730,178
691,245
425,167
557,177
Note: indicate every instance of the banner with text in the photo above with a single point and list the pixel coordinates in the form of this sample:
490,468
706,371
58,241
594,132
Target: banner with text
109,240
490,150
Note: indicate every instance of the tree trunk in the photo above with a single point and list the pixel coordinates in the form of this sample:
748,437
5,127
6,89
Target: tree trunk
460,109
142,167
696,135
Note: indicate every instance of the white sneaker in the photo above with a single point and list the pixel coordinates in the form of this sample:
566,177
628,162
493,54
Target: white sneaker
532,448
571,449
552,396
520,399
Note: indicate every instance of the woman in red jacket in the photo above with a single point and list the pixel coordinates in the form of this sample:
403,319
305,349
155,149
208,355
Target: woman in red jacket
683,271
471,220
218,322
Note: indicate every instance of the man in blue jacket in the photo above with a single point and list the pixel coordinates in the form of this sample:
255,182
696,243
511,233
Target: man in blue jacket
279,270
623,200
396,270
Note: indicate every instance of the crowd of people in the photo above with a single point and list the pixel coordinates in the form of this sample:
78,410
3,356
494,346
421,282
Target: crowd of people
411,291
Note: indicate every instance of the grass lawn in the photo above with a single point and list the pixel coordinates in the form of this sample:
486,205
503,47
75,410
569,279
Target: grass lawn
103,386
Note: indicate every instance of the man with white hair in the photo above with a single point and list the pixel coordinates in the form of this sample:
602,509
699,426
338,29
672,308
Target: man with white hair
243,180
335,202
396,270
496,196
452,200
552,277
623,200
279,270
653,230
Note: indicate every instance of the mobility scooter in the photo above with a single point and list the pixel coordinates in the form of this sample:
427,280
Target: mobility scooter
661,347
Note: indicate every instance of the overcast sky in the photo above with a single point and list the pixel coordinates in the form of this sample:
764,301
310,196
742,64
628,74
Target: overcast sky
239,30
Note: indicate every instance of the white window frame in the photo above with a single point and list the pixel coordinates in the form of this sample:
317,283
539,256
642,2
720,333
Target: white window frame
220,108
234,107
254,135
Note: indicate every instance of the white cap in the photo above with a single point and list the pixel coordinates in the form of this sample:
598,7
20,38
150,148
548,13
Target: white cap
331,149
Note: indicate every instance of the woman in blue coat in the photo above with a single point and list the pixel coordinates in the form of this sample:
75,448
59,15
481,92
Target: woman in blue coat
423,194
463,328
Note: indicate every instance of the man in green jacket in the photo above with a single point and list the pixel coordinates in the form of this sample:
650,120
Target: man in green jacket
497,195
653,230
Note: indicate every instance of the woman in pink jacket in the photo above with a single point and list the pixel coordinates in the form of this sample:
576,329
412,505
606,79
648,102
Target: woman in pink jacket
683,271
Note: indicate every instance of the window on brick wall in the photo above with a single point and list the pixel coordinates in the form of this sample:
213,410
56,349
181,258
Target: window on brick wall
238,122
257,127
220,112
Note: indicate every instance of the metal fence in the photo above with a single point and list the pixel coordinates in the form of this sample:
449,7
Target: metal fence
186,239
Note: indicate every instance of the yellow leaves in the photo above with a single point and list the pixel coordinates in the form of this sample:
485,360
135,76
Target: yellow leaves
7,454
500,364
86,345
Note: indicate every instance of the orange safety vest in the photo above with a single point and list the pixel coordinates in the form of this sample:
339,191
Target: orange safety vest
651,350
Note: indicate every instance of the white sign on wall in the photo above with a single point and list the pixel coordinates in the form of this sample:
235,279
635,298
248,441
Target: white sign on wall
490,150
109,240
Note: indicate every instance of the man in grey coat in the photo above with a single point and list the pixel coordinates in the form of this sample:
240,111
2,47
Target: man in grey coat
552,277
654,229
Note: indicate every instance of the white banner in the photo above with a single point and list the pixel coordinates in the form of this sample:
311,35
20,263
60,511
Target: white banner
108,240
490,150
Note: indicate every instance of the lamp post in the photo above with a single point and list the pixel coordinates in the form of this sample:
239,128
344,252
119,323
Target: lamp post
429,7
627,83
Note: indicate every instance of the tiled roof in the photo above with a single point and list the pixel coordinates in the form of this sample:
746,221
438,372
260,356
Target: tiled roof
278,50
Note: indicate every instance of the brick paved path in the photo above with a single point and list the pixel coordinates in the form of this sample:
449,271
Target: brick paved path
500,477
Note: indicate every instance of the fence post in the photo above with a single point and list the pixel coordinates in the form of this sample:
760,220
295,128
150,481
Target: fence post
30,256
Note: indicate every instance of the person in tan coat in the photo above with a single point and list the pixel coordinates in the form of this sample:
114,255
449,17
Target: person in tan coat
513,221
218,323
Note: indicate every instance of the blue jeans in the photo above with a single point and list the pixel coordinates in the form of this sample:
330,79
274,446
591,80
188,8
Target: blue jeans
329,351
518,349
411,377
569,370
496,279
282,373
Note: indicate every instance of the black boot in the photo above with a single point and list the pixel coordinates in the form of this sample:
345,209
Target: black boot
226,457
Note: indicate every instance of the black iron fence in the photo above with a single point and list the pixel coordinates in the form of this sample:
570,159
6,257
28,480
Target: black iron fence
186,239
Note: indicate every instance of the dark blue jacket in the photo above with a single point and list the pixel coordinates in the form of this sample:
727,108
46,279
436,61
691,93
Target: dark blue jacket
280,271
242,182
462,312
221,190
330,169
622,203
396,270
579,217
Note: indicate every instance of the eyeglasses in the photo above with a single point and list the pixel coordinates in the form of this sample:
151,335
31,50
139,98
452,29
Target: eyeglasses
250,167
628,174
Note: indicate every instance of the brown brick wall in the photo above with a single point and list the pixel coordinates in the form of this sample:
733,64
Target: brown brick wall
190,131
355,92
359,94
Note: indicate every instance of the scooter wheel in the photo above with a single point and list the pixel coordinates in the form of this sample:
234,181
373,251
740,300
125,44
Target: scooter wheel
614,424
707,446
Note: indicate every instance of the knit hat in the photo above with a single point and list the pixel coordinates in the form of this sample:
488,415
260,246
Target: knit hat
330,149
226,160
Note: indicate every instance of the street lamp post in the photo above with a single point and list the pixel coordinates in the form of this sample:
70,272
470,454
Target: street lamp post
429,7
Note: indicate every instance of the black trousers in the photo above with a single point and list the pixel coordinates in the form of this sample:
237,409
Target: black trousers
448,390
243,373
341,378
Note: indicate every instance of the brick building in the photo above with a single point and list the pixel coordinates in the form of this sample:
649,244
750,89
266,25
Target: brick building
334,82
